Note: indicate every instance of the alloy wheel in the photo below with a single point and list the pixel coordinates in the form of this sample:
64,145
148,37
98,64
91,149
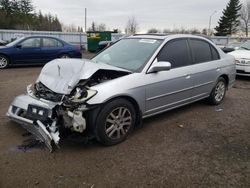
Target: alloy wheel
65,56
3,62
118,123
220,90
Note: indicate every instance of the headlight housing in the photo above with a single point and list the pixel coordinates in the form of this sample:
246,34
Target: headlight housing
242,61
80,95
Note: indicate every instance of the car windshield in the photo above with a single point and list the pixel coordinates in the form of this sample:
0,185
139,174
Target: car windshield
234,45
245,45
15,42
129,54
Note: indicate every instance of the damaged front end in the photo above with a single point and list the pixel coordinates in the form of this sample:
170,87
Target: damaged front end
48,114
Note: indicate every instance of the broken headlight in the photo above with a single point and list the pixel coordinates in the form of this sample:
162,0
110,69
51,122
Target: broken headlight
80,95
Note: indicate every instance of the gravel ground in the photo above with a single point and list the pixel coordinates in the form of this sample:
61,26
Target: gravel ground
194,146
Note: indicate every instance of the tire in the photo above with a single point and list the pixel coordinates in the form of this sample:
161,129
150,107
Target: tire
64,56
4,62
115,122
218,93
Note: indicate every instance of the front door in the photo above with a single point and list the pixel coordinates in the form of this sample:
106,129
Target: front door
28,51
169,89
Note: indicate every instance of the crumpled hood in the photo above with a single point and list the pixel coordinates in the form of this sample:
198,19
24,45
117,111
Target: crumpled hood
240,54
62,75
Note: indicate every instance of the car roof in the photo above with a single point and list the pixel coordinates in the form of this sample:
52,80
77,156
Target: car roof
149,36
166,36
41,36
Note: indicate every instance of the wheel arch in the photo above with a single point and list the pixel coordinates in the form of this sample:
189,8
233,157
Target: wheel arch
7,56
226,77
134,103
60,54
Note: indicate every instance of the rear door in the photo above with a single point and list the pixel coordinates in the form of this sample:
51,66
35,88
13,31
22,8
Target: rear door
169,89
205,68
51,48
28,51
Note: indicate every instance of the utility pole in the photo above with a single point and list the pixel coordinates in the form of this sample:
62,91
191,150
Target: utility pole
209,26
85,20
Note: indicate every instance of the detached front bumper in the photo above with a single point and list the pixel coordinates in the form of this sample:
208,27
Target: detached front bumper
43,132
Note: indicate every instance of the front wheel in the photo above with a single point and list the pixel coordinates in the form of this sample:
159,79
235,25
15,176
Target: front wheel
115,121
218,93
4,62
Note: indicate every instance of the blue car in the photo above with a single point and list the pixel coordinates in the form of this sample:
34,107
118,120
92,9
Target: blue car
36,50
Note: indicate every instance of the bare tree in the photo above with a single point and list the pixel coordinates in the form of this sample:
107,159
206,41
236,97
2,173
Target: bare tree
153,30
132,26
102,27
167,31
182,30
69,28
245,17
97,27
204,31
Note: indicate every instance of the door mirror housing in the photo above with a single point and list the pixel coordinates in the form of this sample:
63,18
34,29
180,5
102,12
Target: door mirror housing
160,66
18,46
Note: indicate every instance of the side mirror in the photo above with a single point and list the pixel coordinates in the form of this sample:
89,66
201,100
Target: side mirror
18,46
159,66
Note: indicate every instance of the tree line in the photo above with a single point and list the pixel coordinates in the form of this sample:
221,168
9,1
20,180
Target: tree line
20,14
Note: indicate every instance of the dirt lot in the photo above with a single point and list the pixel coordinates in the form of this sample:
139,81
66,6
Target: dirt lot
195,146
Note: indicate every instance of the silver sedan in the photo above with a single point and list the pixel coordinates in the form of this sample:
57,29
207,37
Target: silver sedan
136,77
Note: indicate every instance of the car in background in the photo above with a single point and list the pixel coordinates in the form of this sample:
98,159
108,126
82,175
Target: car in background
36,50
232,47
2,42
136,77
242,57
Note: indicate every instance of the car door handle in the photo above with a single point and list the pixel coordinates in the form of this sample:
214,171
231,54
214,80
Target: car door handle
218,69
187,76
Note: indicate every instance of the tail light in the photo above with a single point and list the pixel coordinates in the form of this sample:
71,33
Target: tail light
78,47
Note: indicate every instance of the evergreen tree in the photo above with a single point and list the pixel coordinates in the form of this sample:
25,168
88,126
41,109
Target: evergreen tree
26,7
229,22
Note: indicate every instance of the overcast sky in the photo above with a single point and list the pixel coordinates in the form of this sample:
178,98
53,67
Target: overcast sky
149,13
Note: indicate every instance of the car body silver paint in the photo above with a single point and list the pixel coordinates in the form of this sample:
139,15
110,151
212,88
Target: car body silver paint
154,93
169,89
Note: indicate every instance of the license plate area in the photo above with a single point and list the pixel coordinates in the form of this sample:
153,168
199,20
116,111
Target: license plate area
37,113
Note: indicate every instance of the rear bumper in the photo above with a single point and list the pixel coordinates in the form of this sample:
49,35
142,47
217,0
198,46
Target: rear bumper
17,111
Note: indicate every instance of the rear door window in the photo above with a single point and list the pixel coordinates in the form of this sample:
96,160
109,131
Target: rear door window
201,51
176,52
51,43
215,53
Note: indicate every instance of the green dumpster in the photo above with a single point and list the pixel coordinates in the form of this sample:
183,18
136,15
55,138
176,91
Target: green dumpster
94,37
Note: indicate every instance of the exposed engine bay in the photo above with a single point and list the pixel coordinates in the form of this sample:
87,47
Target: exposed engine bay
48,114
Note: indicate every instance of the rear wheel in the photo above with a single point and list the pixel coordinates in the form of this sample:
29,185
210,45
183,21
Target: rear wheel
4,62
64,56
115,121
218,93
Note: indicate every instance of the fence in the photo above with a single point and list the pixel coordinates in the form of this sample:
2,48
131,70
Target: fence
71,37
223,41
81,38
